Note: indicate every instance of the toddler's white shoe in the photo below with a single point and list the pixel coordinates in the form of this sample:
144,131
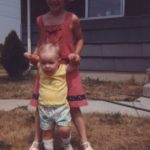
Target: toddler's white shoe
34,146
87,146
68,147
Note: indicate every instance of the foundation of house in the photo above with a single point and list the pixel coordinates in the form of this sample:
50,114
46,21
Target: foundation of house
116,77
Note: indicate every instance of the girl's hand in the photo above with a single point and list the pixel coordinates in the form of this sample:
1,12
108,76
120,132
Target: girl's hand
74,58
33,58
27,55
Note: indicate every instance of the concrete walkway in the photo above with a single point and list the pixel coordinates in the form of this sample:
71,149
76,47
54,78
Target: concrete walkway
94,106
105,107
10,104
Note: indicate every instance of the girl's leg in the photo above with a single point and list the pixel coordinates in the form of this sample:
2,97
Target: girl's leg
37,127
65,134
33,106
37,137
78,120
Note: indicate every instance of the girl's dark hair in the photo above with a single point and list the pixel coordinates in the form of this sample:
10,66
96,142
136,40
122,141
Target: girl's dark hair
68,1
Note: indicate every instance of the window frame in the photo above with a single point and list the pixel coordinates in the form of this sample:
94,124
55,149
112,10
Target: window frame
103,17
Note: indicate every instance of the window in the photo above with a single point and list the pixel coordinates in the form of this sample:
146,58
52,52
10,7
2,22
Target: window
88,9
101,8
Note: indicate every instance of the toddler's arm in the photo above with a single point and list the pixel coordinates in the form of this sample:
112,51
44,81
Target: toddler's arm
34,101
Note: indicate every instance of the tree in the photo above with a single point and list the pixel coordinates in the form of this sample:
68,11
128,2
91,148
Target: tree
13,59
1,49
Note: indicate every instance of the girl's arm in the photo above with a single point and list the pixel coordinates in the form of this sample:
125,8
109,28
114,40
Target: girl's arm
33,57
77,32
36,87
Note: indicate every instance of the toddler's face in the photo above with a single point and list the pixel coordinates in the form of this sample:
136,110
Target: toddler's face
49,63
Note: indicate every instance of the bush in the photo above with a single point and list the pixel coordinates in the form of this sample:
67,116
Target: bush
13,59
1,49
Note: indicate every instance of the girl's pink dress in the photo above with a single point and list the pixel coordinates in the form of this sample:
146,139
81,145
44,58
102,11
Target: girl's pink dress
61,34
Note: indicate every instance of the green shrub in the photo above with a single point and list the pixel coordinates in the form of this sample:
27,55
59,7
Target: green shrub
1,49
12,56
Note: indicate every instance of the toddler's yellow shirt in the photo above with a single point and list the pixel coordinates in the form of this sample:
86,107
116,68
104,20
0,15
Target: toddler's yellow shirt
53,89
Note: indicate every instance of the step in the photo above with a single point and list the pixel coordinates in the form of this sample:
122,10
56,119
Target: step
146,90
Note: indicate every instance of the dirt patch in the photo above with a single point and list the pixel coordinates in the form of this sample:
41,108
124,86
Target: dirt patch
118,91
16,89
105,132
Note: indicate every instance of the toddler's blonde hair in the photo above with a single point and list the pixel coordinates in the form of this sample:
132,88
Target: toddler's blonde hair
49,47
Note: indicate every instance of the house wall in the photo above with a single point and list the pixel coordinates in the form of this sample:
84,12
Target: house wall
9,17
118,44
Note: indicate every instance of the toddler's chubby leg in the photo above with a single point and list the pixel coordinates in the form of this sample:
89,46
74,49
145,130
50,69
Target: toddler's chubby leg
48,144
63,122
65,134
48,139
47,127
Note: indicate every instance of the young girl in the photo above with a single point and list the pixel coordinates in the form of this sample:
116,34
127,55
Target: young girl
58,25
54,110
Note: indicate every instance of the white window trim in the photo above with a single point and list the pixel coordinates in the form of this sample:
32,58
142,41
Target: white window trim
86,8
103,17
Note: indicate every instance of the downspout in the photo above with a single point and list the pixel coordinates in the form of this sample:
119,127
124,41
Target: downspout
28,26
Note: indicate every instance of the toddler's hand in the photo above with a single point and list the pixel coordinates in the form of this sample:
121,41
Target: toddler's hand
74,58
32,106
